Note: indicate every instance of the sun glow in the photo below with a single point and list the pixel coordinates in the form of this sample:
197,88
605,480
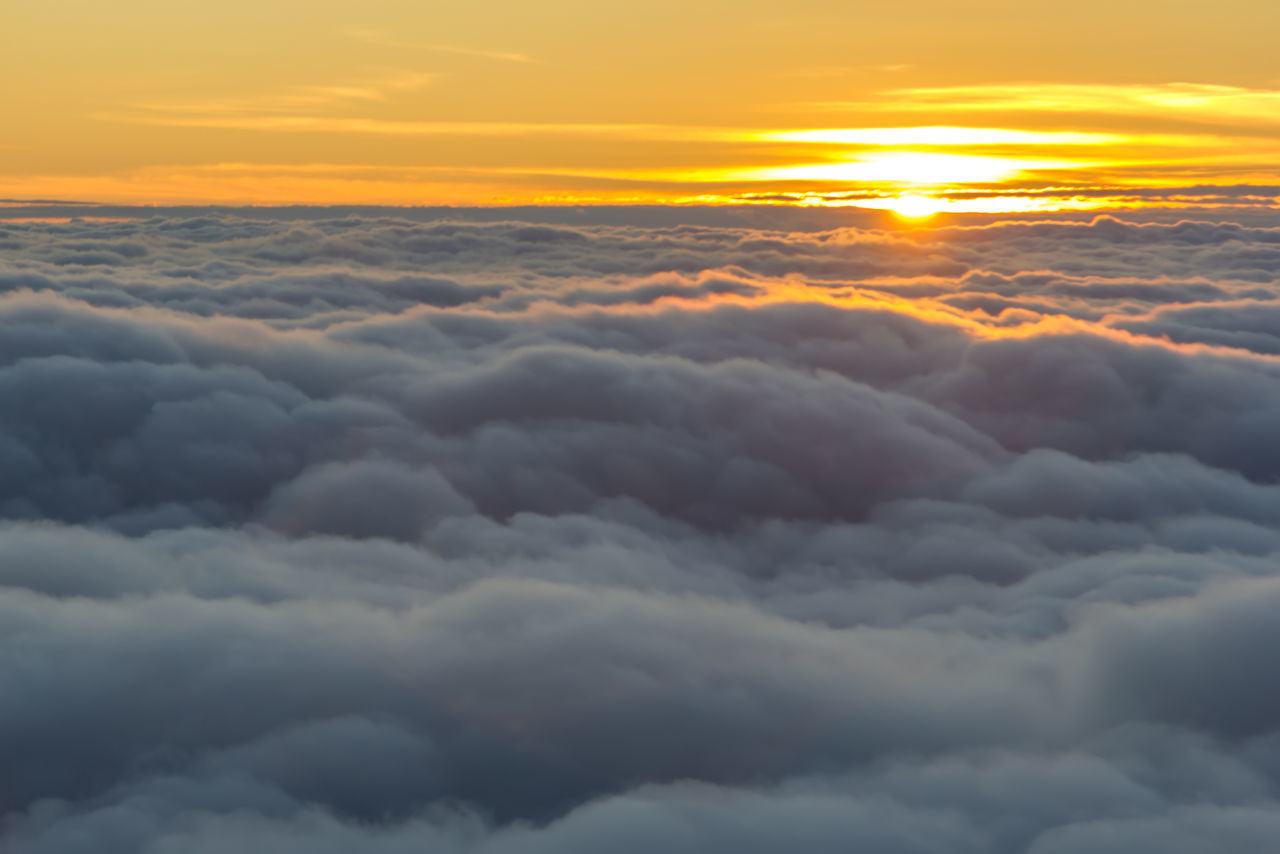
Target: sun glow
912,167
914,206
919,206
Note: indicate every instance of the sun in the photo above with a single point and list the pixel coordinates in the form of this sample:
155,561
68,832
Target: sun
915,206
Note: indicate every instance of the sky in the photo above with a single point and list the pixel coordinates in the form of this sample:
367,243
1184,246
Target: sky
918,107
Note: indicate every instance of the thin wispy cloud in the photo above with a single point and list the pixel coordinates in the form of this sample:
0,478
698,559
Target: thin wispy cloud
824,162
384,39
380,89
942,136
820,71
190,116
1184,101
373,89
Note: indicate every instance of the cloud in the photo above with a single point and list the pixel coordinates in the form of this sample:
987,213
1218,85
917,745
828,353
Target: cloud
384,531
373,89
1195,101
385,39
311,109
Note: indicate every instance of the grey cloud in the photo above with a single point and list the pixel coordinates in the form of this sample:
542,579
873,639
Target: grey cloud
684,530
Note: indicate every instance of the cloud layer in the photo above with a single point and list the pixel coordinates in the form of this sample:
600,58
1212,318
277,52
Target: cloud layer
373,534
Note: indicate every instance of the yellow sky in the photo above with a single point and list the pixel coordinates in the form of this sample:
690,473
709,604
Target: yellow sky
562,101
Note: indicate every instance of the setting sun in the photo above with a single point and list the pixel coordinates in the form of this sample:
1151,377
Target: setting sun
915,207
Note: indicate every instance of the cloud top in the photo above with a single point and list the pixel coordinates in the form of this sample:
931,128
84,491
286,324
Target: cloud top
367,533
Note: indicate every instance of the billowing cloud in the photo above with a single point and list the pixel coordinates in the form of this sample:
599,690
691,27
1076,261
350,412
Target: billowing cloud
368,533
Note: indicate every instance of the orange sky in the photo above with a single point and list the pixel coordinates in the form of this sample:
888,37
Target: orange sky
922,106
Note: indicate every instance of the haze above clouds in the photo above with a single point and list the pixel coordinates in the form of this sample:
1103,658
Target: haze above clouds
367,533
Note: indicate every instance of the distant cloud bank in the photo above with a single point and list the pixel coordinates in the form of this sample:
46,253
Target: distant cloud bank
365,533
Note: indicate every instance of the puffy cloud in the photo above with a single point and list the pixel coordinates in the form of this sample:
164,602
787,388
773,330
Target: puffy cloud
375,533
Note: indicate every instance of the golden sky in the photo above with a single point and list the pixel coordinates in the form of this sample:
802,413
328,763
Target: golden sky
917,106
